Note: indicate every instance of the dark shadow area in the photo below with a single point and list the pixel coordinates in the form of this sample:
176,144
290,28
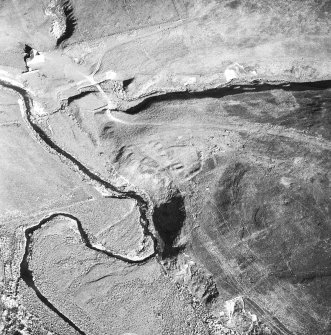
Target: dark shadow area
168,220
70,22
126,83
27,54
222,91
78,96
27,50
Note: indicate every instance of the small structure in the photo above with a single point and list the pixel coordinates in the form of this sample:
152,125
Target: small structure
32,58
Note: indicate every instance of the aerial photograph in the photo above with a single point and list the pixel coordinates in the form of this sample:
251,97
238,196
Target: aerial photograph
165,167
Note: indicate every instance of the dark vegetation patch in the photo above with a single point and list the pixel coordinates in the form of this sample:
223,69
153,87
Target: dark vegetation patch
209,164
229,190
233,4
313,114
108,132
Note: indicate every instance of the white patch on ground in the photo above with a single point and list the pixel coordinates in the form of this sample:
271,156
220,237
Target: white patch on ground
12,314
298,160
104,191
38,109
111,75
57,29
37,59
234,304
8,302
21,105
10,80
190,81
99,246
287,182
233,103
184,80
55,10
235,71
3,72
230,74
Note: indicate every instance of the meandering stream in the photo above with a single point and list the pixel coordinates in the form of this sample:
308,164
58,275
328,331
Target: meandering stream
26,273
